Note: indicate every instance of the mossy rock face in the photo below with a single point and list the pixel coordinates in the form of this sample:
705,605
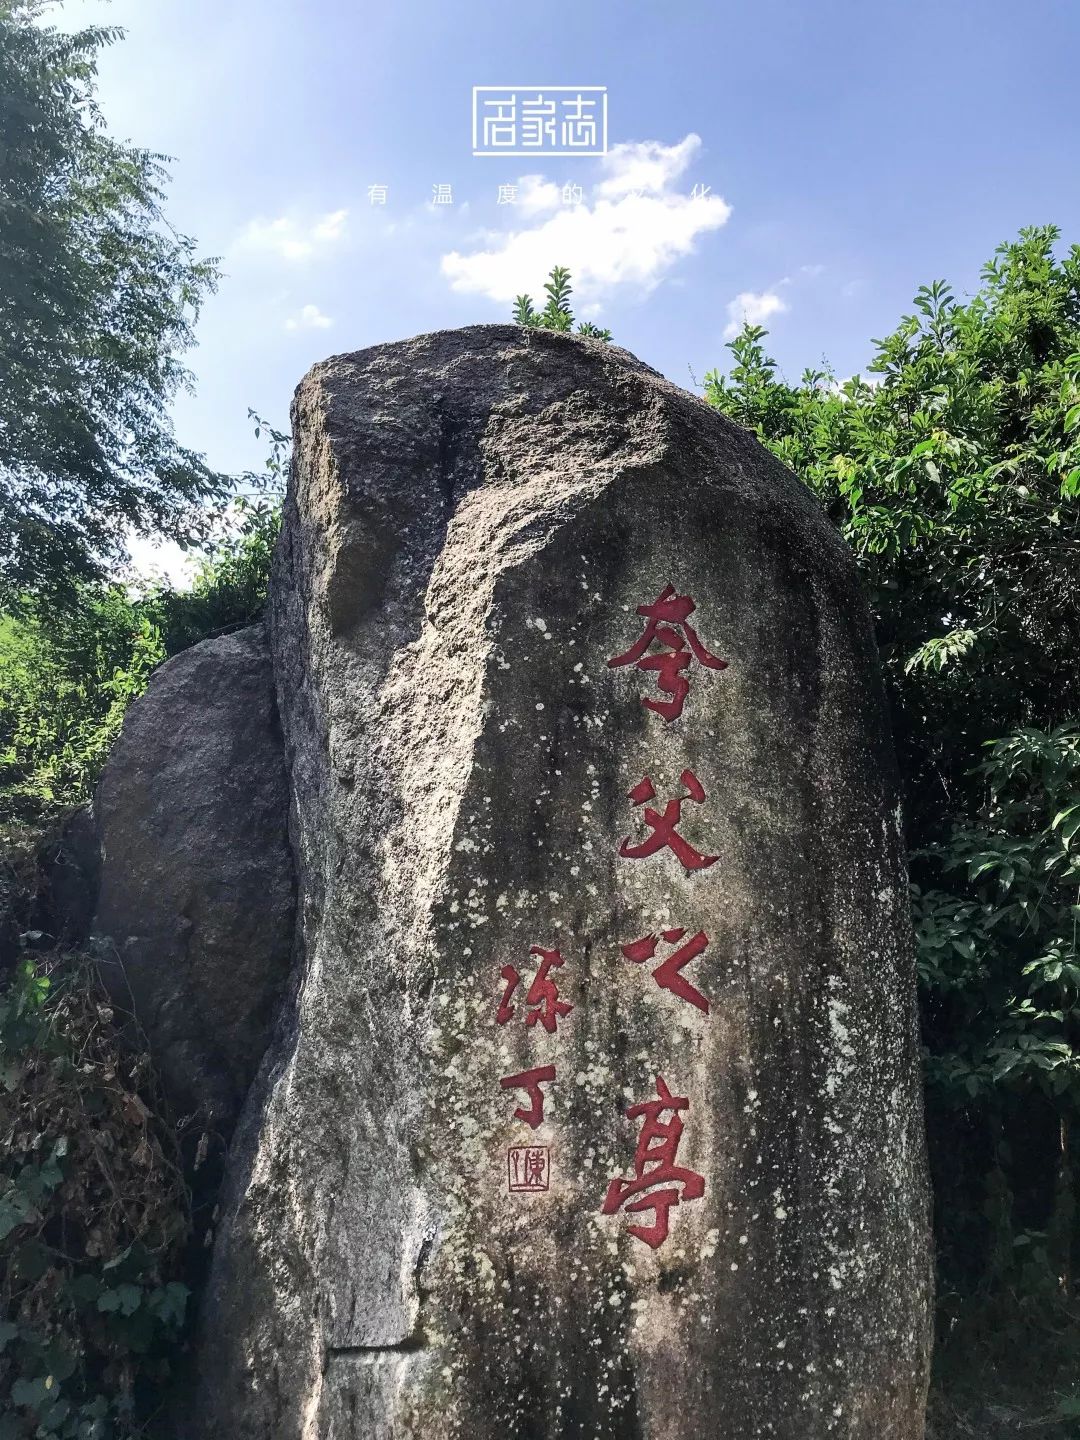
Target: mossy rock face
594,1110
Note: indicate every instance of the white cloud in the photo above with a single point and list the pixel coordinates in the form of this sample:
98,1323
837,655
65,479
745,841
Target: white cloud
535,195
630,231
309,317
647,165
291,238
331,226
752,308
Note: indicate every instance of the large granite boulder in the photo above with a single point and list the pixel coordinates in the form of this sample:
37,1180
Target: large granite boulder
595,1110
196,902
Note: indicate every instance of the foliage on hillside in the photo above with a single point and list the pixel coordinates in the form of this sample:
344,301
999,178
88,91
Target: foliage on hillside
95,1222
68,672
98,296
94,1214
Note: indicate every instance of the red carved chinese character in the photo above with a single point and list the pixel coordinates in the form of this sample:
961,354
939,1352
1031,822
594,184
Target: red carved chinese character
667,974
528,1167
654,1164
513,980
543,993
667,616
664,826
530,1080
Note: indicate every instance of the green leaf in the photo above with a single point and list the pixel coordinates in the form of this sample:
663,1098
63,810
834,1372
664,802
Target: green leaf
16,1208
169,1303
59,1359
30,1394
123,1300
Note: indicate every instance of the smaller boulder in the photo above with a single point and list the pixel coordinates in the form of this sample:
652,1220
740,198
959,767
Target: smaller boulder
196,904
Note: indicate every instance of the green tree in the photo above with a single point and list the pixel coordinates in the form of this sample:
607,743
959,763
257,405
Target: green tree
954,474
98,296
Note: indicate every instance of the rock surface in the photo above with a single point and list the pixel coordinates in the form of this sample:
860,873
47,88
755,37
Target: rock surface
410,1246
69,863
197,897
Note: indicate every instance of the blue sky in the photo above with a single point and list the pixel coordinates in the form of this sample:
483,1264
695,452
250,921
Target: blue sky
852,152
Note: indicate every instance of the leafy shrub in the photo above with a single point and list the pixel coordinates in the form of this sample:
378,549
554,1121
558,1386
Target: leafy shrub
66,678
1000,974
94,1214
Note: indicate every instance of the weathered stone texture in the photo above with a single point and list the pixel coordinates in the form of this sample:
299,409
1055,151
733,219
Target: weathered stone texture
196,902
474,519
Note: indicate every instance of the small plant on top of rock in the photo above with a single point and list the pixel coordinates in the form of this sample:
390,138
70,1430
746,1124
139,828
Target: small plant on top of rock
556,314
